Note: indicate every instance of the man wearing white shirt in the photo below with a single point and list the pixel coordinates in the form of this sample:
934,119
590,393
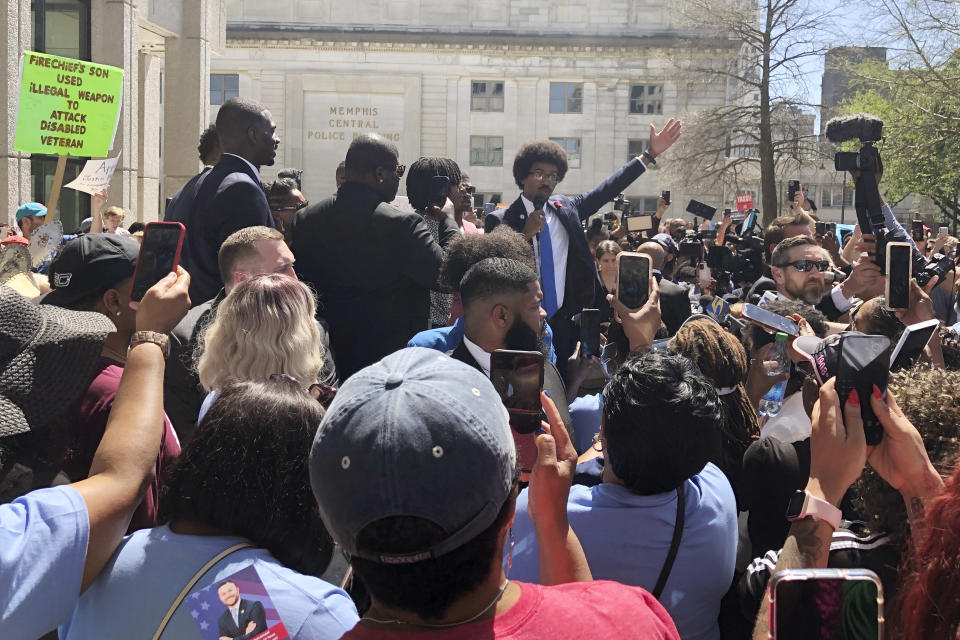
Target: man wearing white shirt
552,223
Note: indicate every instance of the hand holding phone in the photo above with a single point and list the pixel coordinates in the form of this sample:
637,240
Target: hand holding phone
590,332
633,275
770,320
159,255
899,261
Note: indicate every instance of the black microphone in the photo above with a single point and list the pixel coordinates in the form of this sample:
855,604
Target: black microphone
538,203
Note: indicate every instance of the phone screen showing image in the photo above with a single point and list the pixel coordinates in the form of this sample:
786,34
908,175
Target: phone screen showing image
633,279
825,608
518,378
159,255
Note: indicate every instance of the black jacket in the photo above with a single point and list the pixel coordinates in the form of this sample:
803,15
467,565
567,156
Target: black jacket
250,611
214,204
372,266
674,304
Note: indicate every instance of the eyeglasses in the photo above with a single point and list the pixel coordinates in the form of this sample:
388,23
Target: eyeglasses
803,266
470,189
540,175
291,208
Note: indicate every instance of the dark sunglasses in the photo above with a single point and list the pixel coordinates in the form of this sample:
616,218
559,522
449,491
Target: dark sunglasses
803,266
291,208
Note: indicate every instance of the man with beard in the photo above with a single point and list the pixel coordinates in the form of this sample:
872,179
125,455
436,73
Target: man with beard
501,310
798,265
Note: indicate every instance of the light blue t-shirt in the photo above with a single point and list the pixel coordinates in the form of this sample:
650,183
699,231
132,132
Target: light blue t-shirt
144,577
585,414
43,546
449,338
626,537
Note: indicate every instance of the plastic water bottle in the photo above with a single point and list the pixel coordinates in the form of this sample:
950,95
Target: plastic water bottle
772,400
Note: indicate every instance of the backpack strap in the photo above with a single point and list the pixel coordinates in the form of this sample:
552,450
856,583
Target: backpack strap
674,543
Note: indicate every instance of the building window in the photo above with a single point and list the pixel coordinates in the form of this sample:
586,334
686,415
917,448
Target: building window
73,205
486,96
635,147
224,86
566,97
834,196
646,98
62,27
486,151
572,147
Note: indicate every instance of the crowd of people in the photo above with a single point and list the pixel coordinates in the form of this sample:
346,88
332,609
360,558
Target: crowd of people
307,399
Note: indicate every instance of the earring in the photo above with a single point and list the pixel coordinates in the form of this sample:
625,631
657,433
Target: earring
118,314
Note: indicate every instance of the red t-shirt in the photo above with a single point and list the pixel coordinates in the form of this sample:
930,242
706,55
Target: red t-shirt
600,610
87,420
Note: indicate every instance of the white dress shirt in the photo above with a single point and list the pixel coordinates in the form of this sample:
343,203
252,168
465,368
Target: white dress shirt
481,356
560,244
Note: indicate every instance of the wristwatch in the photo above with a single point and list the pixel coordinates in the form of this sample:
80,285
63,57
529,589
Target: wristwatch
162,340
803,504
649,157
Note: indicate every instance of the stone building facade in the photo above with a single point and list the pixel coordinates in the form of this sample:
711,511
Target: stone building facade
468,79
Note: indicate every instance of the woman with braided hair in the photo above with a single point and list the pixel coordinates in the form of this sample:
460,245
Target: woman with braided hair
723,360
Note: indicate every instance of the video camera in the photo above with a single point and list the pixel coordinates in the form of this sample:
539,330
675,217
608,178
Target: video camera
868,129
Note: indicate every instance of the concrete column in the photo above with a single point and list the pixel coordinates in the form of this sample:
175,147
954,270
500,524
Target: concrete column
16,31
148,190
186,94
113,41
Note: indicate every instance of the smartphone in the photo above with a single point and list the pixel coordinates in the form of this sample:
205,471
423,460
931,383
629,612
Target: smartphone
792,187
832,228
826,603
665,195
701,210
439,191
518,378
899,271
770,320
639,223
916,230
864,362
943,231
590,332
912,342
820,228
159,255
704,274
633,279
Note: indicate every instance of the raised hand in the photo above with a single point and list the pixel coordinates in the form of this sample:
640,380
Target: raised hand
662,140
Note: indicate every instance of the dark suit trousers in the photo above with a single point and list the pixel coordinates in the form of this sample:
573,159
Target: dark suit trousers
565,336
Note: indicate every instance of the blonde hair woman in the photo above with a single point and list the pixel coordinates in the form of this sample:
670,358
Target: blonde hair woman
265,327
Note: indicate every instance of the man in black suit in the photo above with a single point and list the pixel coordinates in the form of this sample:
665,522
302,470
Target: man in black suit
501,310
553,224
243,619
229,196
674,299
372,264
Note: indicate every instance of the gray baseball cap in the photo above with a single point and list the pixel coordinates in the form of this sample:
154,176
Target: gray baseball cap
417,434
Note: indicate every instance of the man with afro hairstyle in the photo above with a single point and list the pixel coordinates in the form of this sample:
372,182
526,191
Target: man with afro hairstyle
552,224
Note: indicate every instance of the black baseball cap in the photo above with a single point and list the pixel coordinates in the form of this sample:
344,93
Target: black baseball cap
89,265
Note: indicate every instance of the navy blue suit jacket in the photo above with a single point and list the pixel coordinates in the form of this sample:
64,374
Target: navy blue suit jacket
581,268
214,204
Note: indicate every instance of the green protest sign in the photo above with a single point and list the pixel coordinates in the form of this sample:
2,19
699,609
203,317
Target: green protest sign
67,106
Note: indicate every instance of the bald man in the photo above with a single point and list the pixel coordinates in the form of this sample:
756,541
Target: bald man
674,299
228,197
372,264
